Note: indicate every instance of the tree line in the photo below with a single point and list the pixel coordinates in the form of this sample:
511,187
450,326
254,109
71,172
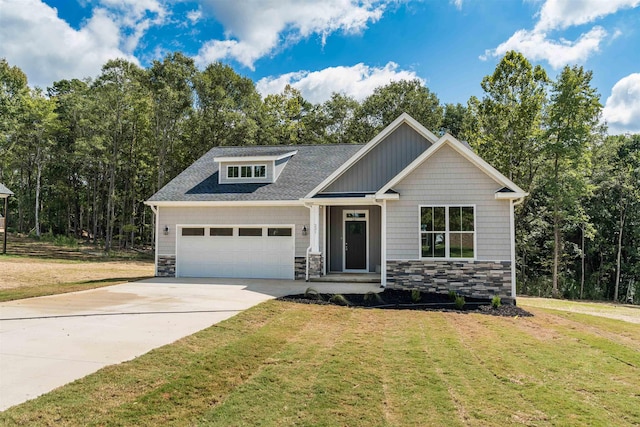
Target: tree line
83,155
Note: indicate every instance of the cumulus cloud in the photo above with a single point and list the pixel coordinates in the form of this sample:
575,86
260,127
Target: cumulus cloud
47,48
254,29
558,15
622,109
357,81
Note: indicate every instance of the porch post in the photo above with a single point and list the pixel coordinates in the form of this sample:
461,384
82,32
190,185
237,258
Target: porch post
6,224
383,241
314,225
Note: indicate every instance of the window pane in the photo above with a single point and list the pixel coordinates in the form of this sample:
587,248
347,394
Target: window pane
467,250
427,245
439,245
259,171
245,171
250,232
455,250
454,218
196,231
232,171
220,231
279,232
438,219
467,219
426,219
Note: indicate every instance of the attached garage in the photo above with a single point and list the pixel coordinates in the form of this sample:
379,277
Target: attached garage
252,251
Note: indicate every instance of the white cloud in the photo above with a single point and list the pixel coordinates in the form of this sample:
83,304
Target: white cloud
558,15
357,81
257,28
194,16
622,109
457,4
536,46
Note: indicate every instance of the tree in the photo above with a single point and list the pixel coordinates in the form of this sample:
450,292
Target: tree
572,128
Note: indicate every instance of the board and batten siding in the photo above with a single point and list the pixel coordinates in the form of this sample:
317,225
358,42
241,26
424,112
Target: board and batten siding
244,215
447,178
382,163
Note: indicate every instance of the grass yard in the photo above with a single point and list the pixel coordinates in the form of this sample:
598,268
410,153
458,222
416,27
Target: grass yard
284,364
40,268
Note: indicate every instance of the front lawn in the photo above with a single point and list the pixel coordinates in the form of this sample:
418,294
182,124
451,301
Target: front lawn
283,363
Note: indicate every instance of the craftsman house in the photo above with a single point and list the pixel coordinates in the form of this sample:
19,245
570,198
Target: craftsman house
421,211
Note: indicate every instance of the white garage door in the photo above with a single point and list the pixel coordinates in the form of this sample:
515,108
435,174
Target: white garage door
245,252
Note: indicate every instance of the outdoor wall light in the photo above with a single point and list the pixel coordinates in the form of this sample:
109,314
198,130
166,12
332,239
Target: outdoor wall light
166,230
304,230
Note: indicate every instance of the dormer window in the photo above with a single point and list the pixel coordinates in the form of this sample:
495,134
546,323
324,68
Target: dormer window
262,168
232,171
260,171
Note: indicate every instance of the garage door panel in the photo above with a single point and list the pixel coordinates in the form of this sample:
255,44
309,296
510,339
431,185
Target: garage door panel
236,256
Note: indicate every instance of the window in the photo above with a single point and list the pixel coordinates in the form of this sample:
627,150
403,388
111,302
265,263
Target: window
278,232
245,171
259,171
217,231
193,231
250,232
232,171
447,231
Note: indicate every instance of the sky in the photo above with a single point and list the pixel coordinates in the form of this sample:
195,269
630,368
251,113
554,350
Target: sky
347,46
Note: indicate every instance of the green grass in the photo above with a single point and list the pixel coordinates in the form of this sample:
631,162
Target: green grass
41,290
282,364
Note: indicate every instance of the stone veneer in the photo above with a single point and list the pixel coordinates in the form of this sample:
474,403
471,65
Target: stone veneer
300,268
478,279
315,265
166,266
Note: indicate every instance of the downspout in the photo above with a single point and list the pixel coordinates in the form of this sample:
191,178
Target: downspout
513,245
155,211
306,262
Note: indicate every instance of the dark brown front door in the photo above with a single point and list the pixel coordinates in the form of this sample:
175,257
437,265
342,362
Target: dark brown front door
355,245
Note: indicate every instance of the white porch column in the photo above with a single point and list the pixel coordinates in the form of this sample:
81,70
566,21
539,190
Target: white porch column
383,241
314,232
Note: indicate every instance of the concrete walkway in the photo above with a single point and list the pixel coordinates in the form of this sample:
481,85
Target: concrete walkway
47,342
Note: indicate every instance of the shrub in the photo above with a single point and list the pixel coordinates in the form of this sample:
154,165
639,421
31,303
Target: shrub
339,300
311,293
371,298
416,295
496,301
453,295
459,302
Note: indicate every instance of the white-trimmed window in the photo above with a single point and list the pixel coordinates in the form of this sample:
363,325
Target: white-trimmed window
259,171
447,232
233,171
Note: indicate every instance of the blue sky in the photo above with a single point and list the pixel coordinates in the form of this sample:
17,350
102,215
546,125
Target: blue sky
349,46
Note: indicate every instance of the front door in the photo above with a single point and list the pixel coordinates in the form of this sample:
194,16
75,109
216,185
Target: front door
355,241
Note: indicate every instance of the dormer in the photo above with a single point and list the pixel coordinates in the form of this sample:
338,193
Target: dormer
252,168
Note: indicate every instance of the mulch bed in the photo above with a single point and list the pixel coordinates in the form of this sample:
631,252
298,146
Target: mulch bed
403,300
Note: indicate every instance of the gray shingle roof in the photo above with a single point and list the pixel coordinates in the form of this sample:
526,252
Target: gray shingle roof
4,190
303,172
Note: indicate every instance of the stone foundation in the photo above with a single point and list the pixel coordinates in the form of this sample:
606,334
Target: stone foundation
300,268
315,265
166,266
478,279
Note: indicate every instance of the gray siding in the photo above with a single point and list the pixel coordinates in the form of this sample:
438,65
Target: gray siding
170,216
267,178
382,163
279,165
335,233
447,178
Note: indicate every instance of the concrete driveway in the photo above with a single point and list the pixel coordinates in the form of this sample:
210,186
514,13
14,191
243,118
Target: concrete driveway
47,342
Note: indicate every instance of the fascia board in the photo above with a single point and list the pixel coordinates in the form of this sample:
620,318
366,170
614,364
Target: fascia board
403,118
221,203
237,159
462,150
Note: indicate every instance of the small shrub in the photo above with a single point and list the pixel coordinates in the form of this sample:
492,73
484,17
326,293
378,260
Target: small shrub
416,295
459,302
339,300
453,295
372,298
496,301
311,293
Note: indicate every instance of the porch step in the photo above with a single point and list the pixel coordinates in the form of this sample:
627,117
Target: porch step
348,278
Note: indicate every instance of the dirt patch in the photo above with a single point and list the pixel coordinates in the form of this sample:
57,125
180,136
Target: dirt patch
20,272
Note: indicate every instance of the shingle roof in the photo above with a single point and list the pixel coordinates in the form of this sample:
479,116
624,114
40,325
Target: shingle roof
303,172
4,190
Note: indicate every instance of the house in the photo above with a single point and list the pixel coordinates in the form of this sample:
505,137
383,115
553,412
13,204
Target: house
423,212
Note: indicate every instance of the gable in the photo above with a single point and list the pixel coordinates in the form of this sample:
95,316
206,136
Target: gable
384,161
